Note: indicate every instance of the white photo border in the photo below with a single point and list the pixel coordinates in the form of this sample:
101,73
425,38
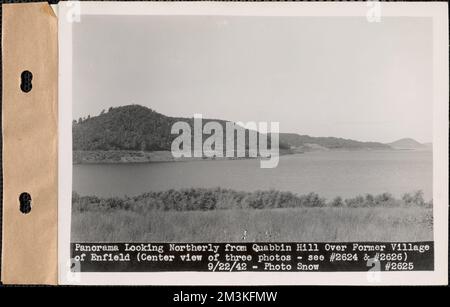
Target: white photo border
436,10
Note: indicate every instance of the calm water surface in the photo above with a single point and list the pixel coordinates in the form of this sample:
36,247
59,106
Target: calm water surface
330,174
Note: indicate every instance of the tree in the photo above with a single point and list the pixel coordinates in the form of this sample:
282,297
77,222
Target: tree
415,199
385,199
370,200
418,198
337,202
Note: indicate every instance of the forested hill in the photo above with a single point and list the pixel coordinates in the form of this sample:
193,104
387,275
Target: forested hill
128,128
131,127
135,127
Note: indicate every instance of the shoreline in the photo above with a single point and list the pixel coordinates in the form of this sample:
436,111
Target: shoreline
135,156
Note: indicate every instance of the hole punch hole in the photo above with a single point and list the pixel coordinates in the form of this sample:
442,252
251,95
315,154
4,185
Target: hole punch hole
25,203
26,81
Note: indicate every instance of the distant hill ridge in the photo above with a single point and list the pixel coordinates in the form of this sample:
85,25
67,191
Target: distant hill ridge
407,143
135,127
309,143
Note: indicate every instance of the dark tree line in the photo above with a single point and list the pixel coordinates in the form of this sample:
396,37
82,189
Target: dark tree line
218,198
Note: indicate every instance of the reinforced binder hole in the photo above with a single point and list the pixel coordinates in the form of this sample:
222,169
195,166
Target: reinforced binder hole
25,81
25,202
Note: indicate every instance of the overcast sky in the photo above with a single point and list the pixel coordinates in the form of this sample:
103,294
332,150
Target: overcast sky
321,76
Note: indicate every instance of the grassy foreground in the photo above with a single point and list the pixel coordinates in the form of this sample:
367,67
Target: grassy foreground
224,215
250,225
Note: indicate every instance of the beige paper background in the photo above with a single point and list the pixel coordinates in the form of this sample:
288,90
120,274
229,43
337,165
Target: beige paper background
30,42
29,251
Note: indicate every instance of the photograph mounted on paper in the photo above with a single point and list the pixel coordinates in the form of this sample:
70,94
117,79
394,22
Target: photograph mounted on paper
251,137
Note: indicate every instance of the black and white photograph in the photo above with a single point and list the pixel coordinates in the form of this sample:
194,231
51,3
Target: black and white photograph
261,128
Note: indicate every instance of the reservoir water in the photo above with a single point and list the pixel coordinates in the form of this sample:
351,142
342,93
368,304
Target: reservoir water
330,174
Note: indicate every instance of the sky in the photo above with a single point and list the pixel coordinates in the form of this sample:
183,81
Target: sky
320,76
